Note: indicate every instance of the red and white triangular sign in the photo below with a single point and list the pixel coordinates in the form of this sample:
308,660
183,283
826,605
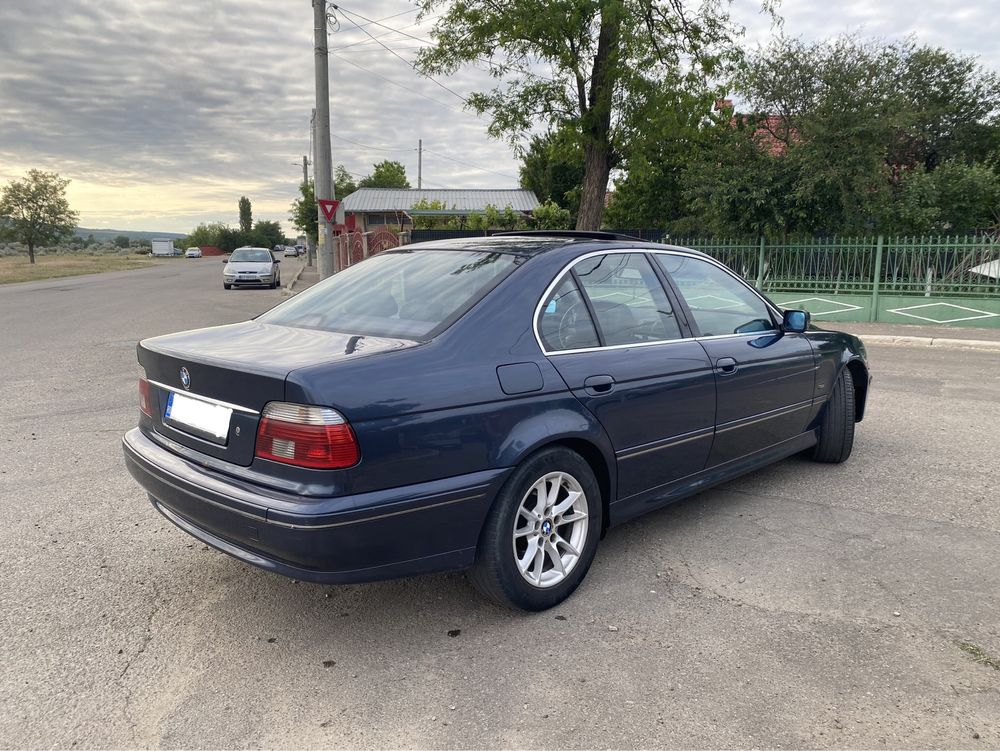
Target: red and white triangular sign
329,208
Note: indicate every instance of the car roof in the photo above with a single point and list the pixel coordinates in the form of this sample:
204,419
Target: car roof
535,242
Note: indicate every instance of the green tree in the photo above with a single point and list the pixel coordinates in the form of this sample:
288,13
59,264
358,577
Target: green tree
550,215
122,241
205,235
230,239
605,60
552,169
955,198
435,222
246,215
343,182
736,186
266,234
674,132
385,174
839,125
305,213
35,210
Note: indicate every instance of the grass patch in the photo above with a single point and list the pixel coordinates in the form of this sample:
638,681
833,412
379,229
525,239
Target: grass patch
978,654
17,269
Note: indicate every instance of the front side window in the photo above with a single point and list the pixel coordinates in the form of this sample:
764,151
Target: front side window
628,299
403,294
720,303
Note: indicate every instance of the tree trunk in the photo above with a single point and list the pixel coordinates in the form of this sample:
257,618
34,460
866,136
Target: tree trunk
597,168
31,252
596,124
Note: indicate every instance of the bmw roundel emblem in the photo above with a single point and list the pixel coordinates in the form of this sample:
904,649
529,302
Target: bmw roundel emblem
185,378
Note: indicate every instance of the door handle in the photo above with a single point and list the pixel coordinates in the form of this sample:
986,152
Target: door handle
726,365
599,384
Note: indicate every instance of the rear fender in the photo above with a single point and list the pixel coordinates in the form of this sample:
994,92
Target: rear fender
568,425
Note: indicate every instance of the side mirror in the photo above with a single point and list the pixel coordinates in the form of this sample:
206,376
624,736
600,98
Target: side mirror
225,260
277,260
795,321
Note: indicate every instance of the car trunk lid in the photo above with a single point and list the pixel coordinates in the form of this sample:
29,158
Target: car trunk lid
210,385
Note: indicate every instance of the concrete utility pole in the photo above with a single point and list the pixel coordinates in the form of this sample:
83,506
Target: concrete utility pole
310,247
324,159
420,162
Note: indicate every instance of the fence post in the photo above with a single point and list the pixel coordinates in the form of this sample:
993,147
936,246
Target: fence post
760,265
876,280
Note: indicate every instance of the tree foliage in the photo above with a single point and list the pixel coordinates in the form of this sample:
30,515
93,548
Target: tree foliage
385,174
246,215
649,193
35,211
304,212
552,169
343,182
550,215
439,221
592,67
844,137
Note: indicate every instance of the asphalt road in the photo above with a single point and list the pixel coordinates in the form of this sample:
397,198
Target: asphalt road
801,606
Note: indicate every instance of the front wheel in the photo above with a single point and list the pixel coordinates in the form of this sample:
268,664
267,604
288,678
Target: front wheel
541,535
226,286
836,429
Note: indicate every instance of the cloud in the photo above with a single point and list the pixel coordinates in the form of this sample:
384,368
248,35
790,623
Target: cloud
165,112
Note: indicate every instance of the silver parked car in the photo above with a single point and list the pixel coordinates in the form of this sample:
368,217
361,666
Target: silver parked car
251,267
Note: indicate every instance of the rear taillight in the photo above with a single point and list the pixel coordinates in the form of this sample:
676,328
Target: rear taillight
145,398
314,437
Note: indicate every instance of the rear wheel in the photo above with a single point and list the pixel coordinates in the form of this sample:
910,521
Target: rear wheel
541,535
836,429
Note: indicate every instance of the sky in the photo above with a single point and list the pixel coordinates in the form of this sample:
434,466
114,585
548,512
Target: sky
164,112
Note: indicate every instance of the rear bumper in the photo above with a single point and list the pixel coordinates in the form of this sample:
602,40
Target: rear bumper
381,535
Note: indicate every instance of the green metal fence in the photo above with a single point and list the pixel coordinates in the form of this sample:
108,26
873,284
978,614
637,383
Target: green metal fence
953,281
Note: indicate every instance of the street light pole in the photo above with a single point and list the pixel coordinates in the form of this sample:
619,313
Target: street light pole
324,159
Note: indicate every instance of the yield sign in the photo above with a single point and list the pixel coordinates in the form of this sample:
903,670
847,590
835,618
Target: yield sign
329,208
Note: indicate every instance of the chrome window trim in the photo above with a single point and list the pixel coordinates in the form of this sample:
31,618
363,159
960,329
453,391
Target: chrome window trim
207,399
652,251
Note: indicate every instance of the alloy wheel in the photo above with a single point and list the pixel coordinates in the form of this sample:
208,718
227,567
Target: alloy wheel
550,529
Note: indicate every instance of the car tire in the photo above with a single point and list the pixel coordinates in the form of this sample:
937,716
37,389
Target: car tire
836,428
512,530
226,286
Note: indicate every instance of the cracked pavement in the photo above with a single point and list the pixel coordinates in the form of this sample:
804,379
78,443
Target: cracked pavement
800,606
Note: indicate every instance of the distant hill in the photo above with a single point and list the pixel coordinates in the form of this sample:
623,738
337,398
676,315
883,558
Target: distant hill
102,235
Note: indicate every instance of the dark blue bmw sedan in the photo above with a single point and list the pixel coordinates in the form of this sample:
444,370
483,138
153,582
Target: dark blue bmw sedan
492,404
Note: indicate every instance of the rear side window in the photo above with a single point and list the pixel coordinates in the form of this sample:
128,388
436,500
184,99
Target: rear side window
720,303
565,322
404,294
628,299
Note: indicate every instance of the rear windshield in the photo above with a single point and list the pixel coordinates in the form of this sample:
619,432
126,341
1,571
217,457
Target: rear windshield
405,294
251,255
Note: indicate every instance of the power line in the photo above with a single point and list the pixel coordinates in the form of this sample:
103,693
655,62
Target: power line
468,164
396,54
490,62
373,148
396,83
380,36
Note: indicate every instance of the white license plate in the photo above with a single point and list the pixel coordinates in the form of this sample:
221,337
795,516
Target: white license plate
212,419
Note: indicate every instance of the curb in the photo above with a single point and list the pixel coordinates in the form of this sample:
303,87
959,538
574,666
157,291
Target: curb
927,341
286,291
